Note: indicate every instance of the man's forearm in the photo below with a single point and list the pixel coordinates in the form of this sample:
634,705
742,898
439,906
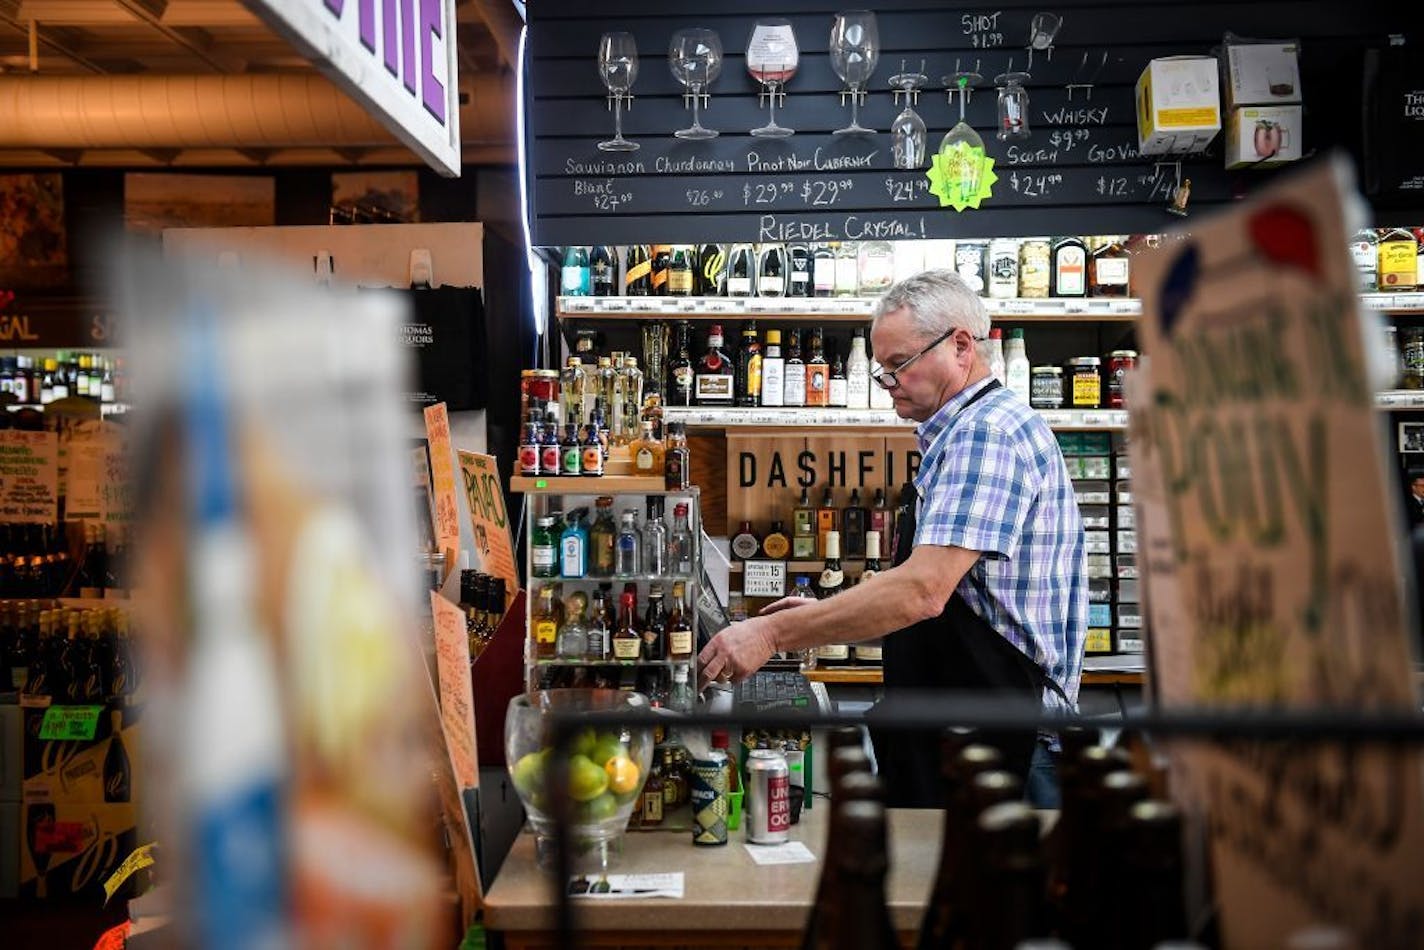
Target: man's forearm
893,600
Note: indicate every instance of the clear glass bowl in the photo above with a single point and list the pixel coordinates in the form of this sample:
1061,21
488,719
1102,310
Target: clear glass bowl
606,768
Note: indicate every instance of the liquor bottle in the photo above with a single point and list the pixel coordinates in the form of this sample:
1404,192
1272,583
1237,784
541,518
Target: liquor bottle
1398,261
677,459
745,544
712,270
857,372
15,658
680,372
875,262
570,452
741,271
838,385
803,527
799,258
603,271
749,367
681,270
771,271
601,537
1109,269
679,626
880,397
544,547
818,373
629,394
594,447
716,377
793,392
655,538
996,354
827,519
773,371
638,275
646,453
854,521
863,918
572,383
574,275
823,271
1069,268
573,635
598,629
681,699
879,520
549,452
847,268
529,436
117,775
830,583
546,625
776,545
654,630
1017,376
680,559
627,546
95,566
627,643
606,384
573,546
662,263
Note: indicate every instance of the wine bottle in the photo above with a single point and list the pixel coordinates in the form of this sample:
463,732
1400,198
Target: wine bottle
638,280
799,257
680,372
603,270
712,270
574,275
771,271
662,264
681,269
741,271
823,271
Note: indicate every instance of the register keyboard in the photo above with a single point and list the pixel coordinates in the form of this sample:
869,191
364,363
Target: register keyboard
776,691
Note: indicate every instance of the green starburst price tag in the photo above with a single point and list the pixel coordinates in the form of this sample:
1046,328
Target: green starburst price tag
961,176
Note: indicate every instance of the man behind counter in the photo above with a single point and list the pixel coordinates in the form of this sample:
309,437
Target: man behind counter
988,590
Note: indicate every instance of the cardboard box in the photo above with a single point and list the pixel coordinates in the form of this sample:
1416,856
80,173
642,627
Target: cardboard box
1262,74
71,848
95,770
1178,105
11,759
1263,136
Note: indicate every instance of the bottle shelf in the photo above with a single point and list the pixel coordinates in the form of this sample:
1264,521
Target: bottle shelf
632,664
1400,399
710,417
811,566
830,309
616,579
586,485
1403,302
875,676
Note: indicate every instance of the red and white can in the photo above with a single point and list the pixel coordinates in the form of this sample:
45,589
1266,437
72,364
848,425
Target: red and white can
768,811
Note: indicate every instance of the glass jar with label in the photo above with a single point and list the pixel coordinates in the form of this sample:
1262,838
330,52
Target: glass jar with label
1003,268
1034,268
1119,362
1087,381
1413,359
1068,276
969,264
876,263
1046,388
537,384
1109,269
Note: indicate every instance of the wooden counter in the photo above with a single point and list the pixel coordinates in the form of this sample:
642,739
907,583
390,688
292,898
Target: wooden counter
873,676
729,900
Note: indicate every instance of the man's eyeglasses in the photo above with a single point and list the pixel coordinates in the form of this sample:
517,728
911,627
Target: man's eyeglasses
889,379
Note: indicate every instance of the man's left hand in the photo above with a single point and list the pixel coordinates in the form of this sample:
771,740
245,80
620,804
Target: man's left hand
737,652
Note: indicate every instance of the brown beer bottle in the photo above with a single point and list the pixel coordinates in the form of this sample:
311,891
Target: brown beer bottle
943,924
1074,845
1153,905
1012,909
1120,791
862,858
848,783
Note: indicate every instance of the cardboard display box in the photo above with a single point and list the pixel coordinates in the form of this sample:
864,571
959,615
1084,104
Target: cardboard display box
1263,136
70,849
101,769
1262,74
1178,105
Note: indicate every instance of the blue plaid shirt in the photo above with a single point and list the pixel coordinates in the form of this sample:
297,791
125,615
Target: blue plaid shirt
992,479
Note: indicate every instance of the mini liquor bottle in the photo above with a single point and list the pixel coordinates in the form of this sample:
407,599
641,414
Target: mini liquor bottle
853,523
803,528
677,460
570,452
647,453
827,519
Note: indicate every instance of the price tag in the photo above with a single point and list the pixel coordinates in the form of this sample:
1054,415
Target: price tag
1015,306
140,859
764,578
1056,418
1118,418
1093,419
614,305
70,722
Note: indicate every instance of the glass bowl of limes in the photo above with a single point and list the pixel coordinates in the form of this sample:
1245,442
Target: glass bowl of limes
606,767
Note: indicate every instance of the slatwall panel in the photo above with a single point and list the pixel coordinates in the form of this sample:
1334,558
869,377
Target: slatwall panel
1079,173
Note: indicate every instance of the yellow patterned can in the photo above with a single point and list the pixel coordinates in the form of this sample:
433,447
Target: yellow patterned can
709,799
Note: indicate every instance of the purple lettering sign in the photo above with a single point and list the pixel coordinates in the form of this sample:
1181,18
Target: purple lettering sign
432,91
367,17
388,36
408,42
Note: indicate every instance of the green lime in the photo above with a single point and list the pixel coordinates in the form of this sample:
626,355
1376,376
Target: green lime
587,780
607,747
528,773
601,808
585,742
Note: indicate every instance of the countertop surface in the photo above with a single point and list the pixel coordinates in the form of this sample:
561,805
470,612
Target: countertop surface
724,888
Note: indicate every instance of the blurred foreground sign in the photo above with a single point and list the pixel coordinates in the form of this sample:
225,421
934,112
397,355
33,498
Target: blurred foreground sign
1269,536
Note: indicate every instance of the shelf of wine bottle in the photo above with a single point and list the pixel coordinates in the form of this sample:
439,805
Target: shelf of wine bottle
660,664
582,485
729,417
831,309
614,579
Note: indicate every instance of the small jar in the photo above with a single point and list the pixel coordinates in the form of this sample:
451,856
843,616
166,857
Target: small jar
540,384
1413,359
1119,362
1087,376
1046,388
1034,255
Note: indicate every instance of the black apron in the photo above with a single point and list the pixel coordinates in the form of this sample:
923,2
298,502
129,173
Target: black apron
958,650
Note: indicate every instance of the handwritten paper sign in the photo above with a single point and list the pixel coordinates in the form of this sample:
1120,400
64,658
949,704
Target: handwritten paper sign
29,476
96,477
1267,527
457,703
442,467
489,519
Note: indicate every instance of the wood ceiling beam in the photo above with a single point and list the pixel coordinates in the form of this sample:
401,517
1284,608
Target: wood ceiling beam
503,22
195,41
9,16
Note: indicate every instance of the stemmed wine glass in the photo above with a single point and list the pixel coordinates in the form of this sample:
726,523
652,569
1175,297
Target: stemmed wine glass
1013,105
772,57
962,148
695,58
908,132
618,68
855,49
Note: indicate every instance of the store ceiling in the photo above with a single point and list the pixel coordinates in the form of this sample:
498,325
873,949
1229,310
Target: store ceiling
74,114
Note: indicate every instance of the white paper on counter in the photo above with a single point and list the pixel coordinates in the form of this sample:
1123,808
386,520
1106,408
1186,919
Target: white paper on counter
626,886
793,852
